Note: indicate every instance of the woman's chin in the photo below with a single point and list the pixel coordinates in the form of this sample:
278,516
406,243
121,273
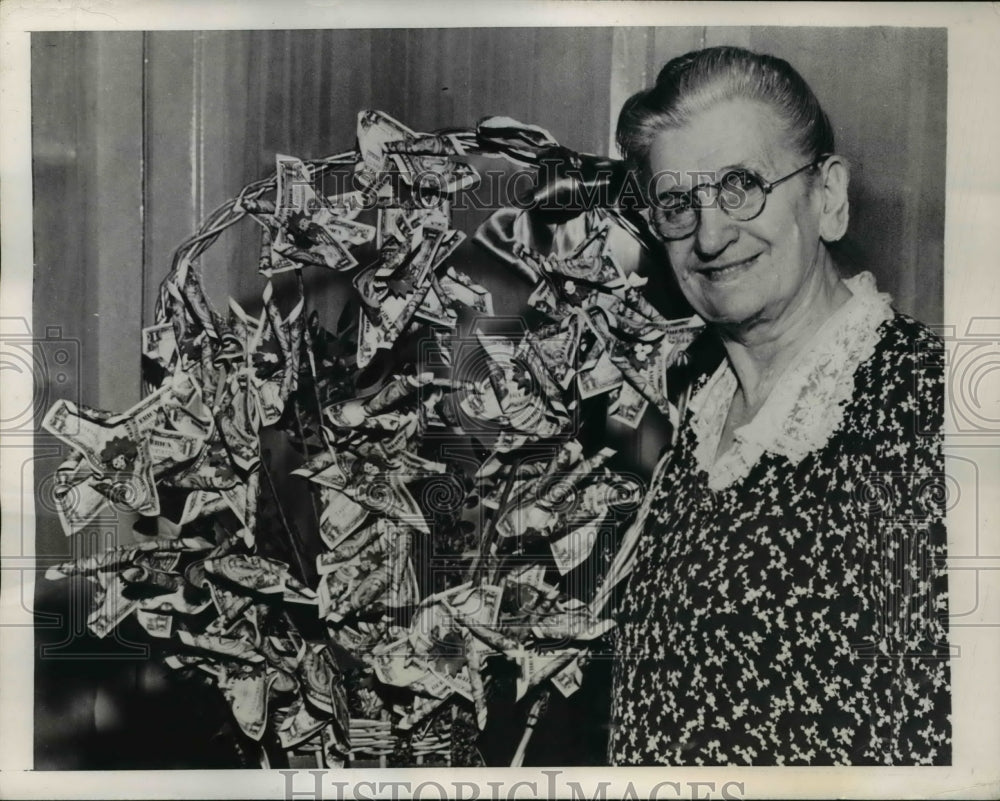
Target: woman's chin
731,312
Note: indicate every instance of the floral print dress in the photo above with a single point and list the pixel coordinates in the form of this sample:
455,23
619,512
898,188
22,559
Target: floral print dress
788,602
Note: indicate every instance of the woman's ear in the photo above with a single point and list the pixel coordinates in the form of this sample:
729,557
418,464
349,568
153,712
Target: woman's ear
835,175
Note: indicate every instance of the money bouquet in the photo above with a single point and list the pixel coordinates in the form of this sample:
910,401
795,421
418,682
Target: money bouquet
453,500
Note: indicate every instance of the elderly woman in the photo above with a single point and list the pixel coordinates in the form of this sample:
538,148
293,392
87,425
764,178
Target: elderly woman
787,605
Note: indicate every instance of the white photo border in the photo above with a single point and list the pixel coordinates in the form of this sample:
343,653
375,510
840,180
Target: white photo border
972,301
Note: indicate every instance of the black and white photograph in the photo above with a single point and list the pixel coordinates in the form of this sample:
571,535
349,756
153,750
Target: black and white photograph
550,393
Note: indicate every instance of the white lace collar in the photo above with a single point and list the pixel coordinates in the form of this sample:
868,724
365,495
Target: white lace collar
806,405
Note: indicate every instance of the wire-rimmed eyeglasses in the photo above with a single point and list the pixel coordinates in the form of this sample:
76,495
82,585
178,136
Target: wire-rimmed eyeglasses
741,193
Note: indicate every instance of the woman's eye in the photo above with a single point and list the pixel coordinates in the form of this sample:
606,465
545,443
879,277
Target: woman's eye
739,180
736,189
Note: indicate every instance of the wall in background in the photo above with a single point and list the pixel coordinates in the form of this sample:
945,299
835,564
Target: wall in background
137,136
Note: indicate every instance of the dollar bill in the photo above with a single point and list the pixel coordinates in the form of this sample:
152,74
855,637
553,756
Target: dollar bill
433,684
111,445
168,449
603,377
253,572
395,664
346,230
459,288
317,677
591,263
538,667
352,545
76,499
114,558
156,624
237,429
112,605
298,593
403,224
406,293
339,516
220,646
568,680
211,471
545,298
336,746
477,686
418,709
376,130
573,549
566,618
300,725
176,602
640,364
434,175
349,585
201,503
162,561
628,405
159,344
270,262
433,310
229,604
179,661
151,581
246,691
376,483
242,500
305,233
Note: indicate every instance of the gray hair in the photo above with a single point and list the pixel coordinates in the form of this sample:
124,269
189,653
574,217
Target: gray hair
698,80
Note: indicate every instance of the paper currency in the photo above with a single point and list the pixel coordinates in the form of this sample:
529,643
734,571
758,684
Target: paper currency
317,676
307,228
252,572
299,725
573,549
558,347
111,605
419,709
221,646
339,516
159,344
74,494
376,130
245,688
458,288
628,405
374,483
124,555
335,745
201,503
229,604
156,624
539,667
569,679
118,452
432,309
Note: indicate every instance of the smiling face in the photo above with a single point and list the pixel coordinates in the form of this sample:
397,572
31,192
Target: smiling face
736,273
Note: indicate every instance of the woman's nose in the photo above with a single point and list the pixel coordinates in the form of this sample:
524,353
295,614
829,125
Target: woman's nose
716,231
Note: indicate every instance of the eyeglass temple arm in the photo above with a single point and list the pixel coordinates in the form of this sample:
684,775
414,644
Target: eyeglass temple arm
767,187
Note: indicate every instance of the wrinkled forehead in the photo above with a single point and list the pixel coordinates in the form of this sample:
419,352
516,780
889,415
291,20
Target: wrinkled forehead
731,134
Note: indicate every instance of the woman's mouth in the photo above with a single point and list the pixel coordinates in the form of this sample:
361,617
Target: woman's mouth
726,272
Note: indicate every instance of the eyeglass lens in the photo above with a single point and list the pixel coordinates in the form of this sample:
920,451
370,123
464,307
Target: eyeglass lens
739,193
